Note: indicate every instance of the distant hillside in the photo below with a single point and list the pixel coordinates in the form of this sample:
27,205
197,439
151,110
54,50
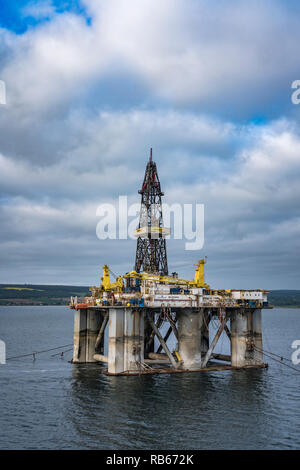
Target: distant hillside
284,298
29,294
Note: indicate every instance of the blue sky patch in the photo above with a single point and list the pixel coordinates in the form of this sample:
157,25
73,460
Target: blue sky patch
13,18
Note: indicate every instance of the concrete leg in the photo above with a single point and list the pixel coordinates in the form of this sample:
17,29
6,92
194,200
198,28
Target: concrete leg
190,337
126,340
80,324
239,338
246,333
257,336
133,339
93,323
116,341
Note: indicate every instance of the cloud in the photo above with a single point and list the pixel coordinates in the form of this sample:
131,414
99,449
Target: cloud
251,201
86,101
39,10
234,59
93,143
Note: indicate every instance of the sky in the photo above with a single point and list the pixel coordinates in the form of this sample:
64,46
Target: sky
91,85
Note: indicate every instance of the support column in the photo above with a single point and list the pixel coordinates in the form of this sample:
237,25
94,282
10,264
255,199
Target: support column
80,323
257,335
93,324
116,341
190,337
126,340
239,329
133,339
246,332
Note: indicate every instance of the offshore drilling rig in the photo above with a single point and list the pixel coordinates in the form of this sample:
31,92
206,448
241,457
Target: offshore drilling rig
141,304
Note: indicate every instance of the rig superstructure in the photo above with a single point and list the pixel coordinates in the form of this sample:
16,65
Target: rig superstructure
136,305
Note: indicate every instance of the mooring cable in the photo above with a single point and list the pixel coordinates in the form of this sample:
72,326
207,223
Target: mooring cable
274,354
38,352
61,353
280,362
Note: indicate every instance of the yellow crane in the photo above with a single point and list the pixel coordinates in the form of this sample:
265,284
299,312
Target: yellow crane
106,284
199,274
118,284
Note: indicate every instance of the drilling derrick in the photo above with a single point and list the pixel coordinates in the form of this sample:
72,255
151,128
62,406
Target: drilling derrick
151,252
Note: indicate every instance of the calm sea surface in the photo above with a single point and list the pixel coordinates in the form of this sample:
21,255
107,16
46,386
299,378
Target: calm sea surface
52,404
